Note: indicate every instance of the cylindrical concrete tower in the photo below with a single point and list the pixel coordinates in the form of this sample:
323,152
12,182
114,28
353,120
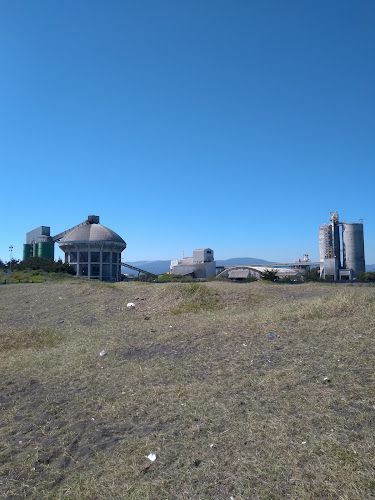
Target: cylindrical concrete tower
94,251
325,241
353,247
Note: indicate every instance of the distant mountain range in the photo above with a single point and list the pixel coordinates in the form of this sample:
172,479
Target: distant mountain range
162,266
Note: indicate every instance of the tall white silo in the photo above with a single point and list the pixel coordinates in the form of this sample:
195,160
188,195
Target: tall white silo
353,247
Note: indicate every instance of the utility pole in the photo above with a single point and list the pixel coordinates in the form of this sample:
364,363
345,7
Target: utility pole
10,261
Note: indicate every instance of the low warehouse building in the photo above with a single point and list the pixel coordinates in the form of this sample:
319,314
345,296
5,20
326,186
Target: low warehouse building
240,273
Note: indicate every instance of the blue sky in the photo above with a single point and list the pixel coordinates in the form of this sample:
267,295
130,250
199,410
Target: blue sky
233,125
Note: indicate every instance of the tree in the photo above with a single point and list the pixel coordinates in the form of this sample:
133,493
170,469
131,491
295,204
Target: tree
47,265
312,275
270,275
369,276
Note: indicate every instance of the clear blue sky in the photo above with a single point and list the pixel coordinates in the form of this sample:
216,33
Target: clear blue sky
183,124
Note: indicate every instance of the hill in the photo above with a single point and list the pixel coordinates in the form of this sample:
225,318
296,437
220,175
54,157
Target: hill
191,374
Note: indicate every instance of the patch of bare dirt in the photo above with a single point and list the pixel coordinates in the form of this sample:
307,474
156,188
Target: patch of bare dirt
47,434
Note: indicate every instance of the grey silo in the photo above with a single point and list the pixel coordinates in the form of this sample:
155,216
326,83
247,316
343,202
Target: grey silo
353,247
325,241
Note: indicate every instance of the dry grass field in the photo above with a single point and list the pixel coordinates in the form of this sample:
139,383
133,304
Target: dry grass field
192,375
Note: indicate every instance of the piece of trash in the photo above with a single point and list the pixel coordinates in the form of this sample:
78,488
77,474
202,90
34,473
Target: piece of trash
131,305
102,353
303,442
326,380
170,326
272,336
245,345
92,418
152,457
60,298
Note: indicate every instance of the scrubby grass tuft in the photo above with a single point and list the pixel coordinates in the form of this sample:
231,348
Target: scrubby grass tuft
196,298
26,338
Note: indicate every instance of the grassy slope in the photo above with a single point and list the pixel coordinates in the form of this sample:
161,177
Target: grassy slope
191,375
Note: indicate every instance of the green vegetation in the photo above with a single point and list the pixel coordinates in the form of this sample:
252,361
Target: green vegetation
34,270
370,276
175,278
270,275
144,277
312,275
5,265
196,298
229,410
47,265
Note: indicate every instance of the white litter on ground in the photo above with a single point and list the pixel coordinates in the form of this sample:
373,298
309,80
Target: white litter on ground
152,457
102,353
131,305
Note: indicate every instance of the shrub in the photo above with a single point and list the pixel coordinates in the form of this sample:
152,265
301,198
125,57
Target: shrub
270,275
369,276
47,265
174,278
312,275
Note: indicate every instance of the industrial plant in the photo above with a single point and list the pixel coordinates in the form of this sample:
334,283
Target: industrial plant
93,250
340,264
